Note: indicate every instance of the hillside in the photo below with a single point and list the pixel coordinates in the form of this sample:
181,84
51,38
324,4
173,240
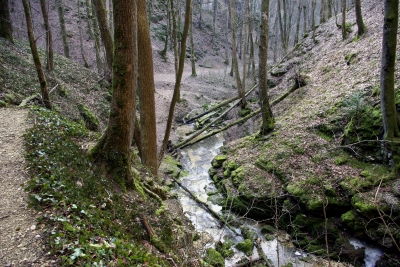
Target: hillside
319,176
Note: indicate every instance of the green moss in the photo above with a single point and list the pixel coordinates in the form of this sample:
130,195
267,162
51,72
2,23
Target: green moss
219,160
246,246
244,112
341,160
214,258
90,119
364,206
2,104
224,248
350,58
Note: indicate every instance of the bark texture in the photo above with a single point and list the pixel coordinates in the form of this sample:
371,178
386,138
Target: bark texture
147,111
344,32
35,54
5,21
114,147
389,42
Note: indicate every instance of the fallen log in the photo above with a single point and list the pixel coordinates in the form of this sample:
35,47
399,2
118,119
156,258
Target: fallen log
299,82
223,103
205,205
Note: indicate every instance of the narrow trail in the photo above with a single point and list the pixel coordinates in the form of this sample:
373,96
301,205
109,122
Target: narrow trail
20,235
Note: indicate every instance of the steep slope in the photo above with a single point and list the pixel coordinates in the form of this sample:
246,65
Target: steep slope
318,163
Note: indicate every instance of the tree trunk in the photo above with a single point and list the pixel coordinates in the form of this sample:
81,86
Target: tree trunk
105,35
296,37
344,32
283,38
85,63
251,57
93,32
304,19
192,54
146,92
64,36
313,5
389,42
49,40
114,146
175,96
235,65
246,18
267,118
110,17
201,17
5,21
322,15
174,37
329,9
35,54
215,7
359,19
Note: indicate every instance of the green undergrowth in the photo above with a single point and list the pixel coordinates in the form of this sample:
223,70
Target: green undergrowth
89,221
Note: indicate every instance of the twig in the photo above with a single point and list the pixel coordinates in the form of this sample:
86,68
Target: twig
52,89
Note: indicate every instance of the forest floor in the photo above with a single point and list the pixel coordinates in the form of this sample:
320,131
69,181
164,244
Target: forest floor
20,238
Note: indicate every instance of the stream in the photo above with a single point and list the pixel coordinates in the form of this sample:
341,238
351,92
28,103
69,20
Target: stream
196,160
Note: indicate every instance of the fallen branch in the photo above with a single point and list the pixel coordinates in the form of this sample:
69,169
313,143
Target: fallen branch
190,140
223,103
182,144
29,98
205,205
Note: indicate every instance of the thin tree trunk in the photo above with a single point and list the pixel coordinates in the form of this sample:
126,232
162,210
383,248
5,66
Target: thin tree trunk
283,39
114,146
313,5
305,19
64,36
201,13
296,37
322,14
359,19
5,21
252,60
174,37
344,33
235,64
163,52
85,63
93,32
389,43
246,18
215,7
146,92
329,9
176,94
105,34
267,118
192,53
35,54
110,17
49,40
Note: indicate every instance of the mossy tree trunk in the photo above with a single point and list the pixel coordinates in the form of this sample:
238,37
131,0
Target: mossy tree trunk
35,54
267,119
49,40
147,111
5,21
64,36
359,19
113,149
389,42
322,14
105,34
175,96
344,32
235,65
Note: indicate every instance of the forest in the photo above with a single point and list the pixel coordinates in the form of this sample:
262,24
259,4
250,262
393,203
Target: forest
199,133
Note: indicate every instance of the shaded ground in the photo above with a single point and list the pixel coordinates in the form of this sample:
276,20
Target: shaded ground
20,234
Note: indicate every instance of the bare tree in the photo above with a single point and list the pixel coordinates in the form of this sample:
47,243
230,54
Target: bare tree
85,63
64,36
344,32
35,54
192,53
94,33
49,40
176,94
267,119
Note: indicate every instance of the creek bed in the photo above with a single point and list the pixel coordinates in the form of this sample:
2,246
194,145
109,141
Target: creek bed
196,160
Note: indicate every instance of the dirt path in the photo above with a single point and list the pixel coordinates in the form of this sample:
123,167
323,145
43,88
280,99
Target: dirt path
20,239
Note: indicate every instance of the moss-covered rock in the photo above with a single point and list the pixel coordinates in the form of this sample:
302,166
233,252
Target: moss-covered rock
214,258
218,161
90,119
246,246
224,248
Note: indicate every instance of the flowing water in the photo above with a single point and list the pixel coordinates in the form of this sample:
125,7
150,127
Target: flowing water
196,161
